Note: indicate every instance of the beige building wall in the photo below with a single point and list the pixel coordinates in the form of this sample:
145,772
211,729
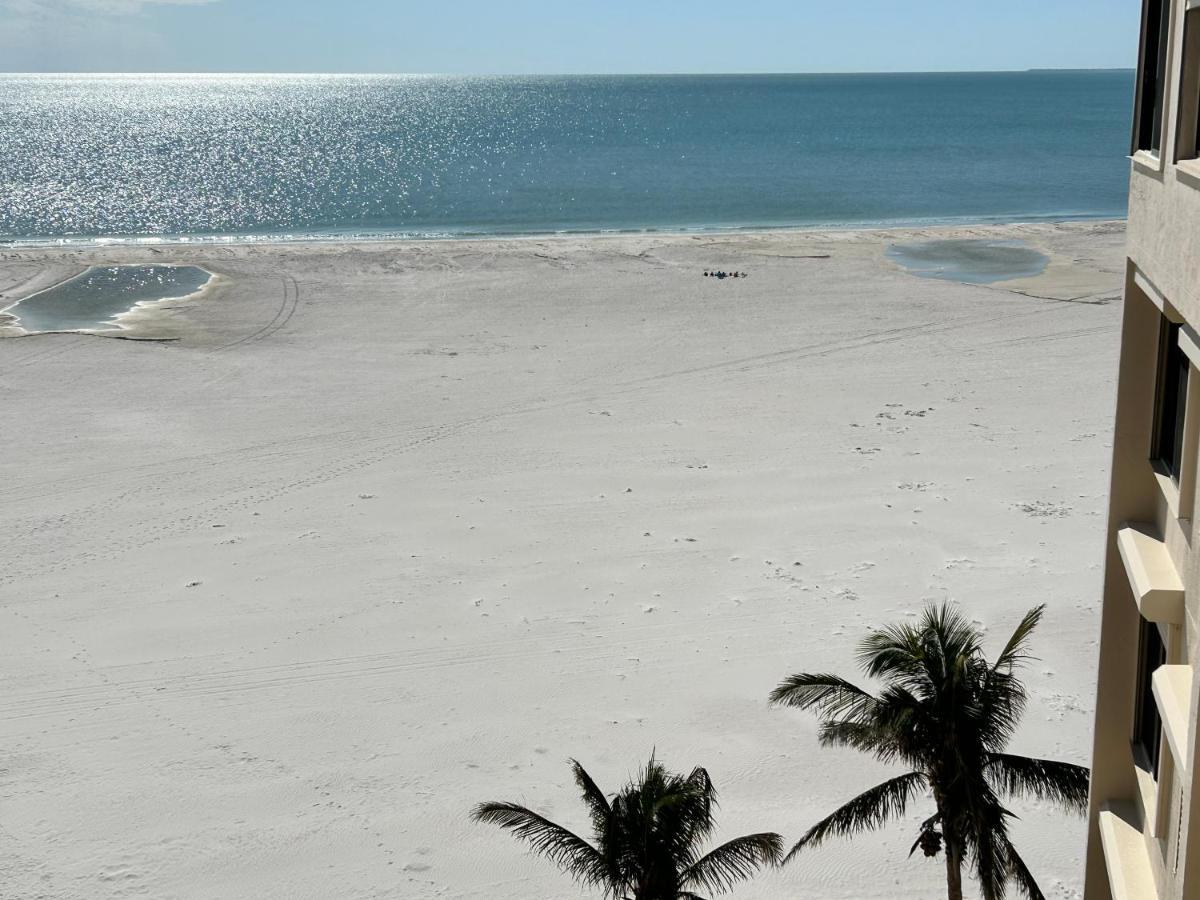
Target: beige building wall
1144,821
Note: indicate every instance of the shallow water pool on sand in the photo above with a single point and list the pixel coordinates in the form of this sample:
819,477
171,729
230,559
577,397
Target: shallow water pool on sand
92,299
971,261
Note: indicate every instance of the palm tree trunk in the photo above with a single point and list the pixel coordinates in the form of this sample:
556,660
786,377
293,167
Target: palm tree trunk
953,871
954,853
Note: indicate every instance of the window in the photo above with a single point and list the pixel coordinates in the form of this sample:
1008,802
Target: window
1171,404
1147,728
1152,76
1188,146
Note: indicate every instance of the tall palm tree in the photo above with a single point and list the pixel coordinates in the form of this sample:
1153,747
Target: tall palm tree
647,840
947,715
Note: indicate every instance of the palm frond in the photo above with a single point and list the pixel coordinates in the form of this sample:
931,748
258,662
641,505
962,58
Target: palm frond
597,803
867,811
660,819
700,805
1021,776
828,694
862,736
903,713
565,849
1016,650
1020,873
956,637
734,861
1001,703
700,782
894,651
987,841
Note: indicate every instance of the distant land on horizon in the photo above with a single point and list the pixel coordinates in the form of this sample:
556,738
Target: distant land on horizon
1130,69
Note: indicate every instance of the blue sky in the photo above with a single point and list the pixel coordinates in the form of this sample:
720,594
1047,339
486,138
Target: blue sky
563,36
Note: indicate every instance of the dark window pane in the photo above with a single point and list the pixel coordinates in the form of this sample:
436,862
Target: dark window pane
1196,132
1177,412
1189,103
1173,369
1147,731
1194,39
1152,90
1160,77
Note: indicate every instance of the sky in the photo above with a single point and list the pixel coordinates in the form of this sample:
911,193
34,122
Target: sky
564,36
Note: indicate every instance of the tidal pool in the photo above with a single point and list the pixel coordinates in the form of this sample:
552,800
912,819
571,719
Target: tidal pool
973,261
93,299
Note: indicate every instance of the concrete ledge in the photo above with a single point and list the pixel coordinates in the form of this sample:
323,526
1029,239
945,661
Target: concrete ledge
1188,170
1168,487
1129,874
1145,801
1172,687
1148,161
1146,286
1189,343
1152,575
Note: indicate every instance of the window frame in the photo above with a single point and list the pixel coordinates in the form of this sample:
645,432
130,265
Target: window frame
1187,127
1173,381
1150,125
1147,721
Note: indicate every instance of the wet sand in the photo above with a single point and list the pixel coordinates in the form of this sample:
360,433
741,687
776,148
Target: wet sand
970,260
370,533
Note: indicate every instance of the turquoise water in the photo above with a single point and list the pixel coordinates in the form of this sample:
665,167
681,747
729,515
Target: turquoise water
87,157
93,298
972,261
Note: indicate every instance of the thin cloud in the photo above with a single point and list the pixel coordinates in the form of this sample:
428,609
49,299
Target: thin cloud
82,35
54,9
129,7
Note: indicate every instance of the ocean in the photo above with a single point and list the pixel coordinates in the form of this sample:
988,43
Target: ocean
229,158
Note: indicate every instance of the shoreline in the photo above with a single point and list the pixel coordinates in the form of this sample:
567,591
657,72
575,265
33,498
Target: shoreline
40,267
274,239
150,306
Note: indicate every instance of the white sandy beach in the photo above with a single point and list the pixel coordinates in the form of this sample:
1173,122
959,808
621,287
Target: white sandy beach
381,531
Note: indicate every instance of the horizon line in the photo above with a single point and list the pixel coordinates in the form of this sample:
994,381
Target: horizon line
249,72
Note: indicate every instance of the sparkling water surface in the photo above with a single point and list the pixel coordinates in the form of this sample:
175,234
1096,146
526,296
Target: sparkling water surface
307,156
92,299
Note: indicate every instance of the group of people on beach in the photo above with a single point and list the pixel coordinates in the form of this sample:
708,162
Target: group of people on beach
721,273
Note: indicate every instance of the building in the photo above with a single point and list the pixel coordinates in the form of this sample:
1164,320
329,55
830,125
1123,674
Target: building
1144,816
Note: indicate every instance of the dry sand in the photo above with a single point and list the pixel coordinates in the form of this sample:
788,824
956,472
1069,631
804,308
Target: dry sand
386,530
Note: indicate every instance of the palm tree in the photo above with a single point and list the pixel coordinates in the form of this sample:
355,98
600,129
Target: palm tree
647,840
947,714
